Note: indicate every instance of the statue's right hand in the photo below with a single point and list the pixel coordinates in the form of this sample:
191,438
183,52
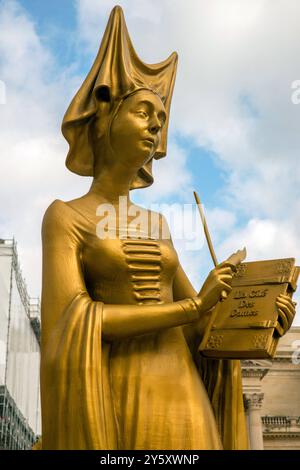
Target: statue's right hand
217,282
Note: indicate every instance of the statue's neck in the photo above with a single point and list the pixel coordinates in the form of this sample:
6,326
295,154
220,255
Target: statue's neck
112,182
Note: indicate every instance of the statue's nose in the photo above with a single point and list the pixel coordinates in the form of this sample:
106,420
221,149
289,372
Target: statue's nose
155,125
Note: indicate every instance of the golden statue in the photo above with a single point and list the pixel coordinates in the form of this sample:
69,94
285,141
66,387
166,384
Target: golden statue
121,323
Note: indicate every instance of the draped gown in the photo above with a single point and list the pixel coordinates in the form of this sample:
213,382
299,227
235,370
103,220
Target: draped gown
143,392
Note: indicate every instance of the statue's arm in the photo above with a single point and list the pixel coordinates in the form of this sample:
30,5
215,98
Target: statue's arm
123,321
63,280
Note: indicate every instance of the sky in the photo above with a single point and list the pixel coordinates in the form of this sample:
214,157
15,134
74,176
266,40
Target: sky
234,126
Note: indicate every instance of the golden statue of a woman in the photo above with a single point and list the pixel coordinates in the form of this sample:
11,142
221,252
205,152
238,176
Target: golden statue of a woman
121,322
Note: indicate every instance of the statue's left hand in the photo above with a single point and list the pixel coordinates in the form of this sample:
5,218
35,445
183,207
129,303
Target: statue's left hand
286,310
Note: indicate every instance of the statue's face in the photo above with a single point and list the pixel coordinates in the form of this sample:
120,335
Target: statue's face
136,129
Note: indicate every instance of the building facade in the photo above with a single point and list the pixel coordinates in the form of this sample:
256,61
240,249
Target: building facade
272,396
19,355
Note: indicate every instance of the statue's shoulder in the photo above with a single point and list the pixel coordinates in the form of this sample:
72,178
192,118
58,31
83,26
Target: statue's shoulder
56,209
58,215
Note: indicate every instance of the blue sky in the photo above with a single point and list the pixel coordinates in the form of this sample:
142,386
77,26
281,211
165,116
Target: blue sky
234,131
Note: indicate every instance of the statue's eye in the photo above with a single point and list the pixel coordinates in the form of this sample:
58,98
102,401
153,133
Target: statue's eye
143,114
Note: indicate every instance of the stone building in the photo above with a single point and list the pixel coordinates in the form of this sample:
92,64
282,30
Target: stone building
19,355
272,396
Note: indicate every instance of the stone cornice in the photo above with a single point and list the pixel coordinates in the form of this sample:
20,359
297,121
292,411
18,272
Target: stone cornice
255,368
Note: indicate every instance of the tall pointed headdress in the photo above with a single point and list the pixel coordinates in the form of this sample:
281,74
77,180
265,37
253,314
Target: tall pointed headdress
116,73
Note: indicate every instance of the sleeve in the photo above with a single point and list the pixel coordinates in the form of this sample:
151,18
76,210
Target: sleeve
62,278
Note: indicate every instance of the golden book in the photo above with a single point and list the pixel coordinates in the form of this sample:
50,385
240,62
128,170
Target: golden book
247,324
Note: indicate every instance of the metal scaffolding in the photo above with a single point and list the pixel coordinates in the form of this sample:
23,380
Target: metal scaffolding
15,432
19,383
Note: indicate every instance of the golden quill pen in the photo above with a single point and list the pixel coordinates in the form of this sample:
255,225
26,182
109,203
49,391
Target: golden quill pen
236,258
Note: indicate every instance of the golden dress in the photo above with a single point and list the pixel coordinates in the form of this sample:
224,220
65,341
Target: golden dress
143,392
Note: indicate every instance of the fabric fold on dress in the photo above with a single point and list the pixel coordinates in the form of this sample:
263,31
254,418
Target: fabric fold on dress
79,412
223,381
